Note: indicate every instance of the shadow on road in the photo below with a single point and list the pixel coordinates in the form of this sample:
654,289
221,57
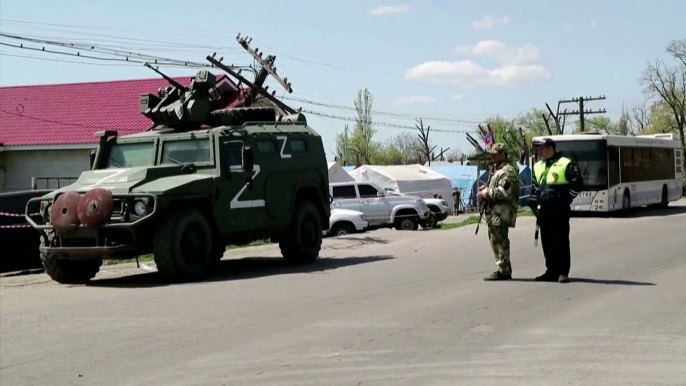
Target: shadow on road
240,269
590,281
635,213
348,242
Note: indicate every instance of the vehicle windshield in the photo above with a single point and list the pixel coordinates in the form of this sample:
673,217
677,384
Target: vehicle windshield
125,155
591,156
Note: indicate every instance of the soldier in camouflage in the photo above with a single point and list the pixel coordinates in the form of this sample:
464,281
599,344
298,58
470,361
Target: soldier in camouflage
501,198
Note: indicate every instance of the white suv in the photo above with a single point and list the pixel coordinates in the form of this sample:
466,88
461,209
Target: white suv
381,210
344,222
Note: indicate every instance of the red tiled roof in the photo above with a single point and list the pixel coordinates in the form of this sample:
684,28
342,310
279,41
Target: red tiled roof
66,114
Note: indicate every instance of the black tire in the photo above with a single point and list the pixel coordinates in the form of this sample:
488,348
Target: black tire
430,221
69,271
183,247
341,229
303,239
407,223
665,197
626,202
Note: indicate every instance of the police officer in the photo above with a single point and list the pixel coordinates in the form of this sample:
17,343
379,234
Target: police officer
556,182
501,199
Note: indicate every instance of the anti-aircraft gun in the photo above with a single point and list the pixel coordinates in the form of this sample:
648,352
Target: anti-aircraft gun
193,179
202,104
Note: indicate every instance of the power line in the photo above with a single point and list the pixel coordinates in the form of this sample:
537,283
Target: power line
338,117
390,114
120,56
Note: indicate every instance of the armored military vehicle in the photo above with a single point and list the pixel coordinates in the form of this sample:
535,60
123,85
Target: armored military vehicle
210,172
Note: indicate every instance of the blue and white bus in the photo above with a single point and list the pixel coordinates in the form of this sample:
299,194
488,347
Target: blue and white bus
623,172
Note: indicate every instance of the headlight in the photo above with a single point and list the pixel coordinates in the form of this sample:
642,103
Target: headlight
139,208
444,203
421,202
361,217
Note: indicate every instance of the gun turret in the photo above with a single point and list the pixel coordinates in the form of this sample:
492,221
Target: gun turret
179,106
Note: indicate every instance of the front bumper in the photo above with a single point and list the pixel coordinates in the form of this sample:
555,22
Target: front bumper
122,215
115,239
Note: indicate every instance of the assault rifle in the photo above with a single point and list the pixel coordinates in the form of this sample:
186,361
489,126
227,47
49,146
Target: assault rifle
482,204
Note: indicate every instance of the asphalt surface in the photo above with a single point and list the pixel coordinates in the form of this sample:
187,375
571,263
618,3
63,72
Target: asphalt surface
382,308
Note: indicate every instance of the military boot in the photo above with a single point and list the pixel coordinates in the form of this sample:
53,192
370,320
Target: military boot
497,275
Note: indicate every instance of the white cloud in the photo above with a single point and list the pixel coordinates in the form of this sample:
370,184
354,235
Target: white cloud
501,52
593,23
569,25
469,74
457,97
413,100
489,22
390,10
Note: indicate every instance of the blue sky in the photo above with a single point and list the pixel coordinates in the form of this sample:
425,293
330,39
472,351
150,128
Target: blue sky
457,60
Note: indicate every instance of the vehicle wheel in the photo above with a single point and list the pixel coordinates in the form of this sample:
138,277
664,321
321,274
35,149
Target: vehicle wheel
341,229
430,221
69,271
183,248
665,197
303,239
407,224
626,202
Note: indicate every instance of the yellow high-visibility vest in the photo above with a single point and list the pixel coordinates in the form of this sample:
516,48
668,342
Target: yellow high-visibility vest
556,172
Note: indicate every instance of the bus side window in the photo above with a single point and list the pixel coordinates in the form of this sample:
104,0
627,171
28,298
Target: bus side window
613,165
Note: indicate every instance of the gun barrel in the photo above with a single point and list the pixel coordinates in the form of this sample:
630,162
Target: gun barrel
167,78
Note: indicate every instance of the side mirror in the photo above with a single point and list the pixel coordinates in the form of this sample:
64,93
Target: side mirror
248,159
380,194
92,159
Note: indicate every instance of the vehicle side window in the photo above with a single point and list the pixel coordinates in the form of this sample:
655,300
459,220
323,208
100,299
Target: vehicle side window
266,146
344,192
298,145
233,155
187,151
367,191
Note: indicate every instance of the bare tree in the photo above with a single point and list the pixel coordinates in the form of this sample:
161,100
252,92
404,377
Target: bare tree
640,118
454,155
425,148
669,84
407,146
624,122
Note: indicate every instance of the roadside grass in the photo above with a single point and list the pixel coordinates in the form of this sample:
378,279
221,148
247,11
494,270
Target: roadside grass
149,257
473,219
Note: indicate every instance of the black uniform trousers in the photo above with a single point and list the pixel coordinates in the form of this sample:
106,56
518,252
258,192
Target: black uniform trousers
554,228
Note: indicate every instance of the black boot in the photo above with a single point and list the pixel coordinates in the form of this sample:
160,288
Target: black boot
548,276
497,275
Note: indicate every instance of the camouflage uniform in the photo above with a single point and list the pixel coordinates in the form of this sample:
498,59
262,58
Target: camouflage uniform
456,200
502,200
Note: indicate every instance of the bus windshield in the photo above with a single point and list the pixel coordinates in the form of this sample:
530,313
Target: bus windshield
126,155
591,156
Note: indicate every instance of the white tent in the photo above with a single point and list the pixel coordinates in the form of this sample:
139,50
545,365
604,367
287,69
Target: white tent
414,180
338,174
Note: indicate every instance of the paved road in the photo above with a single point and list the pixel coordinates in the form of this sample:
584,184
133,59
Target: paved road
385,308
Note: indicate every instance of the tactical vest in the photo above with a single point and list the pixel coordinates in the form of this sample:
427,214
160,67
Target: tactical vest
552,183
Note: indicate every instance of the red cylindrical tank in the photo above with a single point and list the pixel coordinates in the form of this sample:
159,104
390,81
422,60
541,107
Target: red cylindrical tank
95,207
64,212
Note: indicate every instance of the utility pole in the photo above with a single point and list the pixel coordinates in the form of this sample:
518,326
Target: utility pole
266,68
582,112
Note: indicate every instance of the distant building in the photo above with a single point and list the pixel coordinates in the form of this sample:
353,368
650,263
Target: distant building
48,130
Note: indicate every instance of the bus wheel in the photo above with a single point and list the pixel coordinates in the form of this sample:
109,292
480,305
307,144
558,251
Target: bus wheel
665,197
626,201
